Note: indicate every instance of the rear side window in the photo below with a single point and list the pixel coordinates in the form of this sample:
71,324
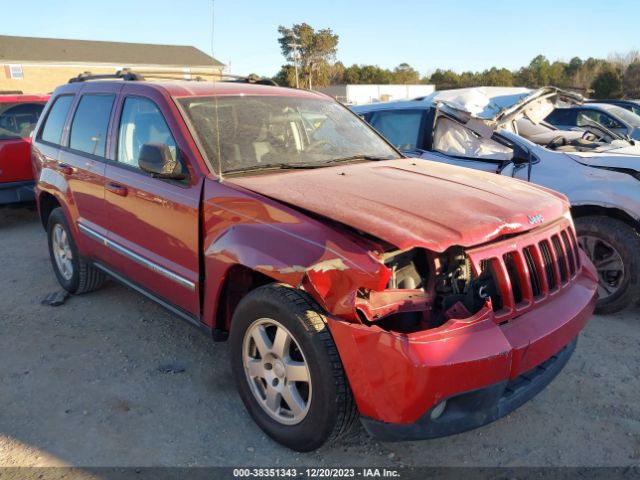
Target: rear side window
142,122
90,124
401,128
562,116
52,131
17,120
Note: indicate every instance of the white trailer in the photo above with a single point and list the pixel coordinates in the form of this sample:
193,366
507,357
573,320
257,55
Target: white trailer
362,94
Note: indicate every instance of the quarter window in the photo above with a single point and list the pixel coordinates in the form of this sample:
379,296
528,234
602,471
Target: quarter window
52,130
90,124
141,123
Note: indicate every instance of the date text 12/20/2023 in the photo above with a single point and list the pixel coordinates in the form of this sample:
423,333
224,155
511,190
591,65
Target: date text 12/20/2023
315,472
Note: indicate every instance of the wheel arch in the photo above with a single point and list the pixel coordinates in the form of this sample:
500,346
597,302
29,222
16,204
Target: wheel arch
588,210
47,203
239,281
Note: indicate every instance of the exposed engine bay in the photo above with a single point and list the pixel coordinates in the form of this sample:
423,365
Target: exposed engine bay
445,281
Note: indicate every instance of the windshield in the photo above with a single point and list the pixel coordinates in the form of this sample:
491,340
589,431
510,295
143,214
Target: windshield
625,115
253,132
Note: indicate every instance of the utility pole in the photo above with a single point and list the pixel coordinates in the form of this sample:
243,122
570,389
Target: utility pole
295,47
213,18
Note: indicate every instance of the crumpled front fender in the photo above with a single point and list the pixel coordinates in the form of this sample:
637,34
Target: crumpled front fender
330,263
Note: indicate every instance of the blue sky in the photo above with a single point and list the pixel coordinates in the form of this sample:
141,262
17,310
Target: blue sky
458,34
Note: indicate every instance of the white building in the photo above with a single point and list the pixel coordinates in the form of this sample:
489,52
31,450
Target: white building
362,94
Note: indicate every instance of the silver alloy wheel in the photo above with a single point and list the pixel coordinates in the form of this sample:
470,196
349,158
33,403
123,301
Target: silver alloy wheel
608,263
62,251
277,371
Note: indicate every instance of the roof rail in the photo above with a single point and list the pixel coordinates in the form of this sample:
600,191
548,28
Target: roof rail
124,74
249,79
129,75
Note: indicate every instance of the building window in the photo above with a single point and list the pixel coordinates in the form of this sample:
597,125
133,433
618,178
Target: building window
15,72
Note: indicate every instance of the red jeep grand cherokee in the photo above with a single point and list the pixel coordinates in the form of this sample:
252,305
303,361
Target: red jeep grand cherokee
431,299
18,117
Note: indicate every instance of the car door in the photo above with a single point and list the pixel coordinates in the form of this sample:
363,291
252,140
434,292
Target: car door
17,121
81,162
153,223
449,141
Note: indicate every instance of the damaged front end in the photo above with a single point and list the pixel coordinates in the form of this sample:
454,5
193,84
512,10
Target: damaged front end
438,350
416,289
425,289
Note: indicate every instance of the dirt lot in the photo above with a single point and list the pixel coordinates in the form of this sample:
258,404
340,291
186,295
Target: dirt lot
80,385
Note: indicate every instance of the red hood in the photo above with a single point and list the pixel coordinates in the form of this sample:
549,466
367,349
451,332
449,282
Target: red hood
411,203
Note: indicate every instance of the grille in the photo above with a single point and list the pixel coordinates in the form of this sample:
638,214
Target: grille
530,267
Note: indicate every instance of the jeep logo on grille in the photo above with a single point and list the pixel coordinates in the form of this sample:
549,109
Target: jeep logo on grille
535,219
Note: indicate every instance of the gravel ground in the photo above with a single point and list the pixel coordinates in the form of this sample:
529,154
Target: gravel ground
81,384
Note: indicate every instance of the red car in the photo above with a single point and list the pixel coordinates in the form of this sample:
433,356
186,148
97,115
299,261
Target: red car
430,299
18,117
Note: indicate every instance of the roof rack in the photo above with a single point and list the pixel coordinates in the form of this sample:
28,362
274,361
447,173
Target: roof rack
124,74
131,76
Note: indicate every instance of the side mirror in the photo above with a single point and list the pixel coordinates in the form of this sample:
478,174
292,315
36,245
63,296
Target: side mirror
520,155
156,159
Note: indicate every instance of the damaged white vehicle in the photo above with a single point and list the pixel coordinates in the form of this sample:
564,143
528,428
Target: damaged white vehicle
501,129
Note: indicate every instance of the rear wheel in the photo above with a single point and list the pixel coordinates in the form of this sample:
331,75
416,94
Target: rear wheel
287,368
74,273
613,247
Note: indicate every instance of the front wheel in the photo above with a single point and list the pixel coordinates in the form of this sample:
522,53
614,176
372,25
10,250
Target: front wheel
613,247
287,369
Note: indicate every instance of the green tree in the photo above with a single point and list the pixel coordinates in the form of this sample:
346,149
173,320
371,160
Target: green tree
497,77
286,77
367,74
316,52
607,84
405,74
445,79
631,81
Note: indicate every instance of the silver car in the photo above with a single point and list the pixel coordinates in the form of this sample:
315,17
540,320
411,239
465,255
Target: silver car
502,130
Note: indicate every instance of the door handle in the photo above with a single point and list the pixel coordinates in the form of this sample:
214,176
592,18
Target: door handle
117,189
65,169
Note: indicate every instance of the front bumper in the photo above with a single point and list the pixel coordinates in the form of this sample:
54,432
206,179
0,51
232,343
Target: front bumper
474,409
475,364
16,192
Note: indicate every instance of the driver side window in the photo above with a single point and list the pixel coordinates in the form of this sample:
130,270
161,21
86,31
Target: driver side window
141,122
401,128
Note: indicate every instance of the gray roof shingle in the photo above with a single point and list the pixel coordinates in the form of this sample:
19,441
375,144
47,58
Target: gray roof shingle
32,49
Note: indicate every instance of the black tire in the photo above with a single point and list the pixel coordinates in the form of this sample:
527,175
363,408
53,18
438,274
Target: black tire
626,242
331,410
85,277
